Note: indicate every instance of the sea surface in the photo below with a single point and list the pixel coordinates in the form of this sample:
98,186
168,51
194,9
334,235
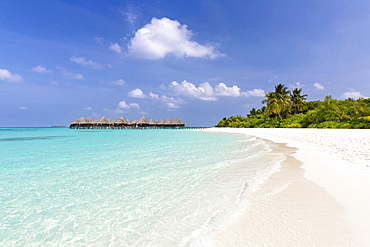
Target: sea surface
68,187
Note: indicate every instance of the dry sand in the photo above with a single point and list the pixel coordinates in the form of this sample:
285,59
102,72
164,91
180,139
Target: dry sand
319,197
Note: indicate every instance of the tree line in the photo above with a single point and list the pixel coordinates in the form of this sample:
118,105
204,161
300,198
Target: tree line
283,108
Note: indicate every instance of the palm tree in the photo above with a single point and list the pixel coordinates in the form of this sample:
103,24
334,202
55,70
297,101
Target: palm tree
272,103
252,112
297,100
282,91
328,102
277,101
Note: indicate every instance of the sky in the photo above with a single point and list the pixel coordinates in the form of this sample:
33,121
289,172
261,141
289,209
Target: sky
197,60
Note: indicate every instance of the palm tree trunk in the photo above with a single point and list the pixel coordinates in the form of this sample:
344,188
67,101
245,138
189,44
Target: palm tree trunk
279,116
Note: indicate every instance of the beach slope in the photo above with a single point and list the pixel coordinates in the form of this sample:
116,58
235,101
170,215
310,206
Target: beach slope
319,197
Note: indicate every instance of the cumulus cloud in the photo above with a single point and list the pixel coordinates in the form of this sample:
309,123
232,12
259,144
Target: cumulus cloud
70,75
318,86
84,62
116,47
172,105
162,37
169,102
119,82
124,105
8,76
134,105
222,90
136,93
41,69
88,108
254,93
153,95
206,92
352,94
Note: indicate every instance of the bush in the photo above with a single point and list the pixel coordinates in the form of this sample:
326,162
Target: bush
328,114
328,125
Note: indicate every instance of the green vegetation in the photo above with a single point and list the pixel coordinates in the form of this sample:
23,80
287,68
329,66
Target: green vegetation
289,109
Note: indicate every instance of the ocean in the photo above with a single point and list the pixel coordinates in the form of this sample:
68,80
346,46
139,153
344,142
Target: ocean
80,187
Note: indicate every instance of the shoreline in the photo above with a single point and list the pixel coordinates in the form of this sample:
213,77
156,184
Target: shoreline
319,197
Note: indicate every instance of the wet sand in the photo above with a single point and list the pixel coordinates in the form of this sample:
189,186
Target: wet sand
319,197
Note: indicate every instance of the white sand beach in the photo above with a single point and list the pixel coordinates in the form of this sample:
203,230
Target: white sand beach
319,197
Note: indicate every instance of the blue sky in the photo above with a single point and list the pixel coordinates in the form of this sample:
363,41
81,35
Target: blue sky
195,60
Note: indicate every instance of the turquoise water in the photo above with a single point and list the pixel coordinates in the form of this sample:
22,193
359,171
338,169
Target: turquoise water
68,187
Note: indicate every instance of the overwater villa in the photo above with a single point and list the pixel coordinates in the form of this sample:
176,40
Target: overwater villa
123,123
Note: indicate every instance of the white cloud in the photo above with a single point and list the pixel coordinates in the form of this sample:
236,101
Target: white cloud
204,92
169,102
41,69
124,105
87,63
254,93
298,85
163,37
99,40
172,105
208,93
130,13
88,108
70,75
8,76
117,110
134,105
274,78
222,90
131,17
153,96
119,82
136,93
116,47
318,86
352,94
23,108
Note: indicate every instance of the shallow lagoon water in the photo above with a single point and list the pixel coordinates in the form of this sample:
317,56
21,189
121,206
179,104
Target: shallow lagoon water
124,187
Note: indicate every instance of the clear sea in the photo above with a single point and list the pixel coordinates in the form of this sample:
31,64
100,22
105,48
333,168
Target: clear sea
65,187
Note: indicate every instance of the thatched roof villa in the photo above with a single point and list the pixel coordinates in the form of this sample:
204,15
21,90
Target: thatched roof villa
123,123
